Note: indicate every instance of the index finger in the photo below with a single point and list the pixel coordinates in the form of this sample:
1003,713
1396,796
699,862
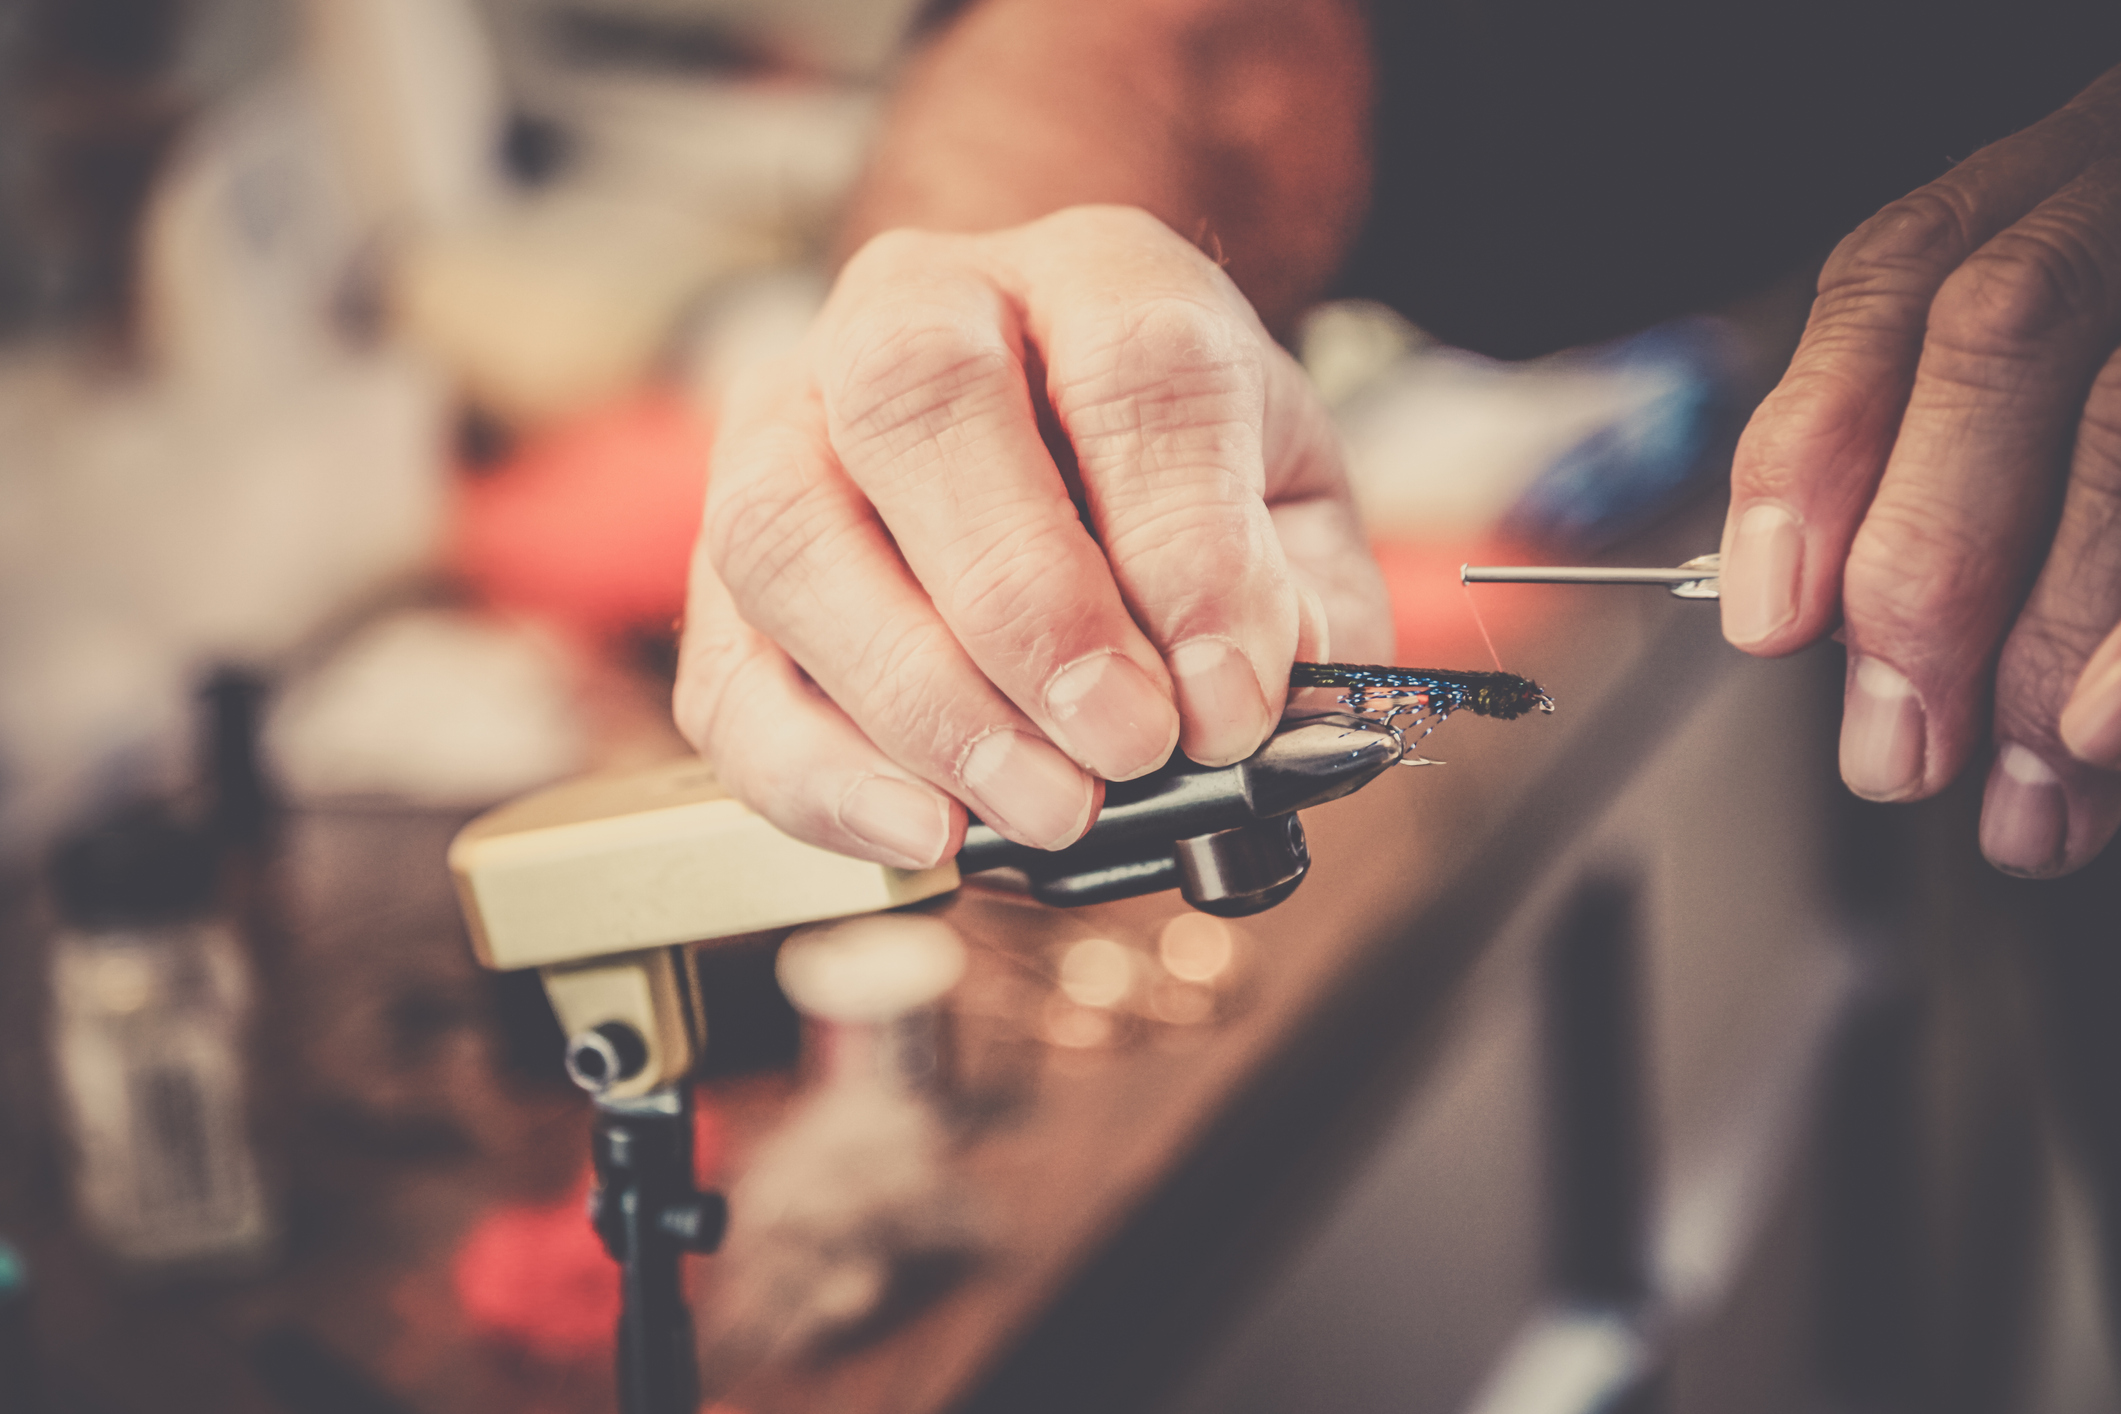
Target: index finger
929,411
1170,395
1813,453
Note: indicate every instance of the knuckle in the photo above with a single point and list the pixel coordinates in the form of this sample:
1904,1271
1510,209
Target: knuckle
756,530
2048,648
1818,416
2077,596
897,668
910,376
716,652
1181,333
1912,241
1175,383
1125,225
1010,594
2017,293
2039,666
1914,575
2098,454
1219,549
897,249
2089,564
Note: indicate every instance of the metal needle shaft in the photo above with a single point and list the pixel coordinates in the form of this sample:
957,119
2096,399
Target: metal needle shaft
1572,574
1696,579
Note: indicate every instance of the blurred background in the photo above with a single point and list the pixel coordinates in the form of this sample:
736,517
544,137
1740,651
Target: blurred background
358,362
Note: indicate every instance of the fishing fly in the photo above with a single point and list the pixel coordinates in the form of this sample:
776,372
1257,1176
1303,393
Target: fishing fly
1407,699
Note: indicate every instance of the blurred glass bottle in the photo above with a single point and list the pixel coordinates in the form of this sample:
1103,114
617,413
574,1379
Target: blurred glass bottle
152,1002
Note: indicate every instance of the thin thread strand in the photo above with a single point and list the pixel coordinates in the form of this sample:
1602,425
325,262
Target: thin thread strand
1481,624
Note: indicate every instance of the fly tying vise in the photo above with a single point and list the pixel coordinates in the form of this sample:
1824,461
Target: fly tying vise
610,885
1403,699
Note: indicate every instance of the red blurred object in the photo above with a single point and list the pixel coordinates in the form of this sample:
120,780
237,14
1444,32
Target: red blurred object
535,1275
589,523
1433,614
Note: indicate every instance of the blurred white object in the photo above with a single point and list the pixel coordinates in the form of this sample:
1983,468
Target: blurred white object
555,305
835,1207
854,1189
251,240
776,155
278,465
415,104
1442,443
1346,345
151,1016
431,707
872,969
144,536
872,988
147,1028
1577,447
1564,1362
566,296
752,322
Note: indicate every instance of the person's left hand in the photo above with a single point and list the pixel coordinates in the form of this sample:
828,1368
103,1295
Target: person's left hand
1027,509
1940,472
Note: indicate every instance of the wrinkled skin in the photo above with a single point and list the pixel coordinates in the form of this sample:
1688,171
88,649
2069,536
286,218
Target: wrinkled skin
909,595
1939,475
904,600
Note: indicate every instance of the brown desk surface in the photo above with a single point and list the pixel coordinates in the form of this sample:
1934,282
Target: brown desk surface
1132,1171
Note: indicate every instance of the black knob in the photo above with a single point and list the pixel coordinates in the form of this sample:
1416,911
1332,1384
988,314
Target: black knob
605,1056
697,1223
1233,873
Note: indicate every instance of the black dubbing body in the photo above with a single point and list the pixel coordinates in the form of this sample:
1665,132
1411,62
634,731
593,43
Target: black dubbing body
1504,696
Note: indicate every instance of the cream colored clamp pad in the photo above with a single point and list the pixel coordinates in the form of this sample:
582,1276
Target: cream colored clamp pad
616,864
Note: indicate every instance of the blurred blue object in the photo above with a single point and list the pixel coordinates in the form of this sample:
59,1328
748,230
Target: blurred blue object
1630,470
19,1380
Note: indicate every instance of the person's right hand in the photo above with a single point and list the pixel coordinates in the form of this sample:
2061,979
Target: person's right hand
1028,509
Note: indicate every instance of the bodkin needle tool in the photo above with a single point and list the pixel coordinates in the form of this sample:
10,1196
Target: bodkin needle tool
1696,579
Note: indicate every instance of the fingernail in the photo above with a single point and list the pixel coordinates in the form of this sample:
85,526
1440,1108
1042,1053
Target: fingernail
1758,584
1026,789
1109,716
2091,721
1881,731
2024,815
907,825
1225,712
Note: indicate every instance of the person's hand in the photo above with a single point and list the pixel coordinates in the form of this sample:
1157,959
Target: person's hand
1027,510
1940,472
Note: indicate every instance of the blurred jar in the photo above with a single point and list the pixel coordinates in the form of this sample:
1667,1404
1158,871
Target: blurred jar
872,990
152,1002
